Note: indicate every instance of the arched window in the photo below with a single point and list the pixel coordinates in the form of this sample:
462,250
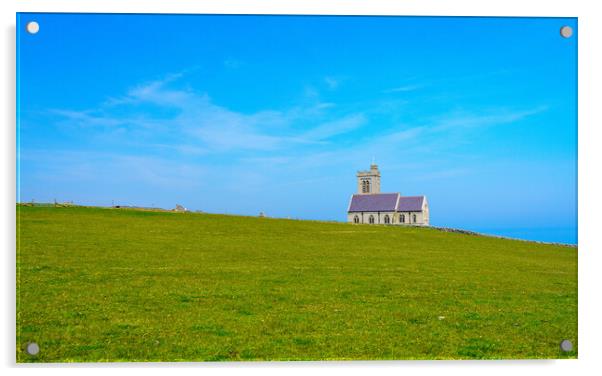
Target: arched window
371,219
365,186
387,220
356,219
402,218
414,217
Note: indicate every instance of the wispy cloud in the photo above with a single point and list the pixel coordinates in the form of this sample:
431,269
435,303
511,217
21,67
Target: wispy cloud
146,90
332,82
337,127
431,138
404,88
87,118
301,135
199,125
405,135
232,63
310,92
442,174
462,119
81,166
324,105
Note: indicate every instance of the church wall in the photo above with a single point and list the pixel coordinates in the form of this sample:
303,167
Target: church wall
421,217
379,217
425,216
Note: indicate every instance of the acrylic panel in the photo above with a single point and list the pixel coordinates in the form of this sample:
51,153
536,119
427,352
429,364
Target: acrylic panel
272,188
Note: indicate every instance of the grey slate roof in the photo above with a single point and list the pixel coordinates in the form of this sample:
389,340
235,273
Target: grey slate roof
375,202
410,203
385,202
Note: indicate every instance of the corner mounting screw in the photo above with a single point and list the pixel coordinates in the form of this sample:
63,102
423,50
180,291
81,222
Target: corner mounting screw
566,345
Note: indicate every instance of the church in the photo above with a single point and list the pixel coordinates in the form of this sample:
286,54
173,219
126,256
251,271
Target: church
370,206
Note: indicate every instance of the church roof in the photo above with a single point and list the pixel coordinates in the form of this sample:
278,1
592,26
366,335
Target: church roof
373,202
385,202
410,203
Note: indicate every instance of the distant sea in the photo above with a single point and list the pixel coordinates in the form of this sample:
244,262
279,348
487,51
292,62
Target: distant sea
566,235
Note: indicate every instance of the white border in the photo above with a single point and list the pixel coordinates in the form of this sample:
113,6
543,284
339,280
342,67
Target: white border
590,187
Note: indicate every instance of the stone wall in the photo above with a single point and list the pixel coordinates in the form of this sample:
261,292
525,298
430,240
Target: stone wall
394,217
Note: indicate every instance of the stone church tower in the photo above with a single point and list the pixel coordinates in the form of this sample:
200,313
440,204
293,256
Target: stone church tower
368,182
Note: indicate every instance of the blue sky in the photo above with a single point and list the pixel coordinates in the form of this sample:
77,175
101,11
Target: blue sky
242,114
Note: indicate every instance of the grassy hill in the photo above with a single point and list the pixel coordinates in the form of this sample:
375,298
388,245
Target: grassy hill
98,284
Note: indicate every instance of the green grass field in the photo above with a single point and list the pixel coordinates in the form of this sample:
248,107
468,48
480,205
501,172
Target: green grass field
98,284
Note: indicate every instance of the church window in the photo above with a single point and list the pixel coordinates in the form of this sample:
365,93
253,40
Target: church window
356,219
402,218
365,186
371,219
414,218
387,220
